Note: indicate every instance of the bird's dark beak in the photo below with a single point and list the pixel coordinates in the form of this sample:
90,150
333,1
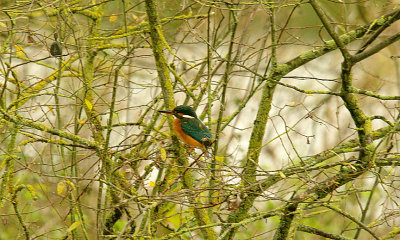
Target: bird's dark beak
166,111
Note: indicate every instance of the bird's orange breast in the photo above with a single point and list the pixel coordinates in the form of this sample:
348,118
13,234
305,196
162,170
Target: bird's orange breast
183,136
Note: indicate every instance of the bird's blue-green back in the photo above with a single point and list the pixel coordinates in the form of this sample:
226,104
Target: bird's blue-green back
197,130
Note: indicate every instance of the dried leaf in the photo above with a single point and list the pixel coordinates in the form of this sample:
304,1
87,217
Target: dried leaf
51,109
31,189
74,226
71,184
19,51
88,104
112,18
61,188
30,39
219,158
163,154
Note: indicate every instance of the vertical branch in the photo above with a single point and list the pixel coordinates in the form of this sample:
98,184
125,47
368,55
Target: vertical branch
58,36
14,202
7,180
257,134
13,190
113,98
116,74
367,204
97,129
225,79
329,29
209,66
7,65
116,215
167,93
158,45
364,130
57,99
209,104
363,123
224,87
285,222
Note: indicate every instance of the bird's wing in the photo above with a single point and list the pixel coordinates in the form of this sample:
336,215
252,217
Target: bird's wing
197,130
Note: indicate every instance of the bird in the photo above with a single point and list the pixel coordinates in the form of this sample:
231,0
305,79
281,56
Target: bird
189,128
56,48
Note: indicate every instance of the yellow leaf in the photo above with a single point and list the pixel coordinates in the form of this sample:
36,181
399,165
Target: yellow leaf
88,104
20,50
152,184
112,18
71,184
74,226
51,109
80,121
32,191
282,175
219,158
3,24
292,104
61,188
163,154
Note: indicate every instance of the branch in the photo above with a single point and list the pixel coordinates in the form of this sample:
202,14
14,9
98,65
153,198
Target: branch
385,25
362,225
329,29
29,92
158,45
329,46
376,48
326,187
17,119
321,233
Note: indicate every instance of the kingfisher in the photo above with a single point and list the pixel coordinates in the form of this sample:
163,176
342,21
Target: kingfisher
189,128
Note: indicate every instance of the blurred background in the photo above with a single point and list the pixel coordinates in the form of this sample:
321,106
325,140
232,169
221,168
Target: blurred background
54,186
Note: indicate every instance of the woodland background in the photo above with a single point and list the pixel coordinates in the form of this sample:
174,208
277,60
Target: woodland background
302,99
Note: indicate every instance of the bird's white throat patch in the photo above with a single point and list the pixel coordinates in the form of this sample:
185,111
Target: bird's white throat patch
187,116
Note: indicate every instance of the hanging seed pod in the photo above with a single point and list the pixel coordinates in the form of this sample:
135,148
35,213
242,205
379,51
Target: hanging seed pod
56,48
